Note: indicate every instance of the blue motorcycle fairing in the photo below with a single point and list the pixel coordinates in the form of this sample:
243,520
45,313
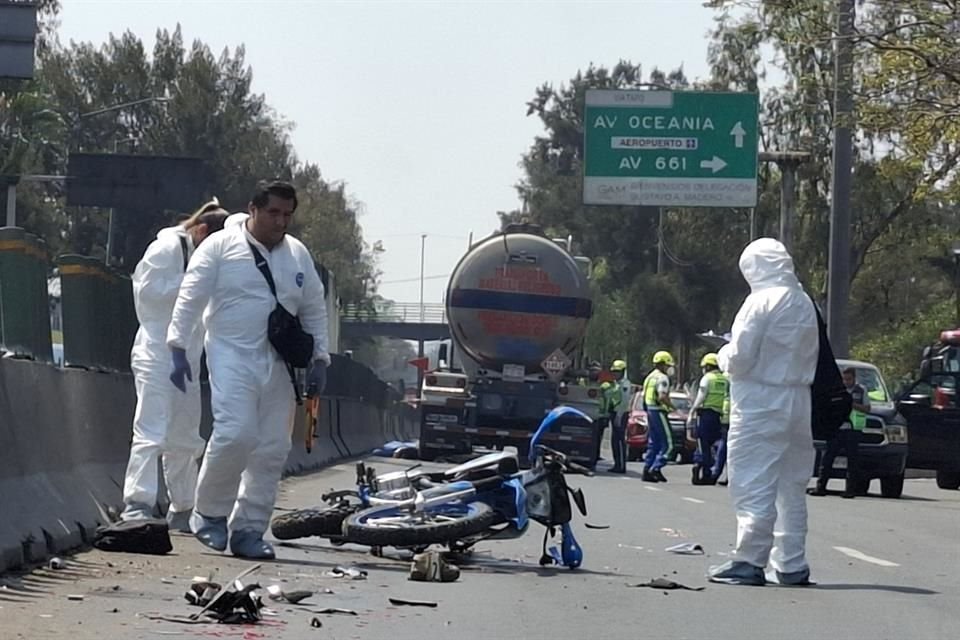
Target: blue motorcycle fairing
547,423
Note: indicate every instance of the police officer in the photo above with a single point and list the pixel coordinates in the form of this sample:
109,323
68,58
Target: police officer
616,400
707,414
656,402
847,439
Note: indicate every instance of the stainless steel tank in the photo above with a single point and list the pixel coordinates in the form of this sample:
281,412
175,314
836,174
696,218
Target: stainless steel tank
515,298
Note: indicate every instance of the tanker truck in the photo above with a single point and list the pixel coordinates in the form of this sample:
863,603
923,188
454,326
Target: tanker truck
517,305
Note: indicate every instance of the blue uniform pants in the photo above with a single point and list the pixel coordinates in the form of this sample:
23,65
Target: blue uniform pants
659,440
709,435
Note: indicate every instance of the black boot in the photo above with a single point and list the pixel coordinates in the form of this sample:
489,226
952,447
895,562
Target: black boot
659,476
695,475
649,476
819,490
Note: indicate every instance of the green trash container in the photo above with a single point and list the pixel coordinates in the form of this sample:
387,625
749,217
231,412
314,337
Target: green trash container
16,330
127,317
78,283
40,304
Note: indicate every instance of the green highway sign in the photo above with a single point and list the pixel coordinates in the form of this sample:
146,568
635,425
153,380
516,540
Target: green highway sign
670,148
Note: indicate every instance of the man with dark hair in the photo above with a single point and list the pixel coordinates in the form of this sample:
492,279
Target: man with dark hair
241,282
846,440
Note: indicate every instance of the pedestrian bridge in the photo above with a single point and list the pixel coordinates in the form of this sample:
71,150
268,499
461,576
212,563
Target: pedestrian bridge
400,320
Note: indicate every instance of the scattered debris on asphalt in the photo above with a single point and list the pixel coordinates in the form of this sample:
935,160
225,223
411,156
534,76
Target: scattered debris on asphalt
276,592
335,611
432,566
236,603
315,623
630,546
352,573
596,526
57,564
673,533
75,597
686,548
665,584
399,602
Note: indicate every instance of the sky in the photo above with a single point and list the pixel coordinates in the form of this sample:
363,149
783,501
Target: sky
419,107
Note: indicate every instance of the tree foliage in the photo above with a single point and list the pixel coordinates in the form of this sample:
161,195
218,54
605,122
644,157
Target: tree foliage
903,213
206,109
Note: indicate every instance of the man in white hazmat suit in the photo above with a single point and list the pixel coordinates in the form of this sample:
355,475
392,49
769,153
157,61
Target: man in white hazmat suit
251,392
771,361
166,424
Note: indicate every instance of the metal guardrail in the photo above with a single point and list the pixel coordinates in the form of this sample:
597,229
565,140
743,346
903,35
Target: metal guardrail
400,312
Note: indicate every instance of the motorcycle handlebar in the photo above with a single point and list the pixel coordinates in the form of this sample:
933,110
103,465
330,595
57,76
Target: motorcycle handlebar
569,465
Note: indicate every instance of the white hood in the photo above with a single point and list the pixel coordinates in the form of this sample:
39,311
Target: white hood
766,263
235,219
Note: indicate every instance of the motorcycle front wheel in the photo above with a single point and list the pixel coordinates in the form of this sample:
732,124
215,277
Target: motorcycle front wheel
304,523
388,526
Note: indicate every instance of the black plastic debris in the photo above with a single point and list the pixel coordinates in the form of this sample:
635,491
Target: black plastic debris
665,584
596,526
399,602
276,592
235,604
336,611
135,536
315,623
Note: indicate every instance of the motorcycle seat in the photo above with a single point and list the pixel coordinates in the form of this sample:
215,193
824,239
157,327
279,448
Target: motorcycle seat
492,461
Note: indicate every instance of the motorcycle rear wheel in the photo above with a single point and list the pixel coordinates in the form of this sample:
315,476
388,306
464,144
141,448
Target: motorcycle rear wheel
304,523
388,526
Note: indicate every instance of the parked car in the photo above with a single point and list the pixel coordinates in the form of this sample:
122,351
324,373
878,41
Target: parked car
684,444
883,444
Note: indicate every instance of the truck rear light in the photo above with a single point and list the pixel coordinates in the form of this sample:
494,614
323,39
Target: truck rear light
461,383
431,381
592,393
562,390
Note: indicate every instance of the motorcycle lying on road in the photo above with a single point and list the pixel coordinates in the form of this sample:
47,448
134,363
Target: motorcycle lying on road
486,498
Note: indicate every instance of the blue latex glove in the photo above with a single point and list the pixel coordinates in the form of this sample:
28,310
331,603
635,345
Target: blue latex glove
181,369
316,378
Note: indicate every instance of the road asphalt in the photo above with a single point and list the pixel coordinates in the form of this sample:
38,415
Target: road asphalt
885,568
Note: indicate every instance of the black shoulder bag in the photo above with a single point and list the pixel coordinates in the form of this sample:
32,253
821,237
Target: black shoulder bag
831,402
284,330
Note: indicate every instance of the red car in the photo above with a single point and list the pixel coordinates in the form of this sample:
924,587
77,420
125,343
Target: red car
637,432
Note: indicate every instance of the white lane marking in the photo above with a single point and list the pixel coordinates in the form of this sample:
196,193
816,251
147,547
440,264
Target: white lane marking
652,489
693,500
859,555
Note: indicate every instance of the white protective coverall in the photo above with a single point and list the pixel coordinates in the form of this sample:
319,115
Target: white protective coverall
251,394
771,361
166,425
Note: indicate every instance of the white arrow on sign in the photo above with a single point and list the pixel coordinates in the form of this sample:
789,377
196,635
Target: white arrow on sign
738,132
715,164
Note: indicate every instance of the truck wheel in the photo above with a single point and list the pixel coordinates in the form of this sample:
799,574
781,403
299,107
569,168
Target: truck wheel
948,480
860,486
891,486
427,455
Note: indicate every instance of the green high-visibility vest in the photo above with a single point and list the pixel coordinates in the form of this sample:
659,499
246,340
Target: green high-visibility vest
718,388
858,420
650,396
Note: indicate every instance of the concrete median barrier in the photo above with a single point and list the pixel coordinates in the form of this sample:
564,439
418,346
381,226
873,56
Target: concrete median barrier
65,438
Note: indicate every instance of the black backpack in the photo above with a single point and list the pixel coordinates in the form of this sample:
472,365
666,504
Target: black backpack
831,402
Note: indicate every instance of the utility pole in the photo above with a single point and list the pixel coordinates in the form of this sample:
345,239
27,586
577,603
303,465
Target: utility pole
423,243
838,286
787,162
660,242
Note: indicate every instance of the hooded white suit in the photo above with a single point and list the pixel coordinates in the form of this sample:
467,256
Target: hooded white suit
771,361
251,395
166,425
